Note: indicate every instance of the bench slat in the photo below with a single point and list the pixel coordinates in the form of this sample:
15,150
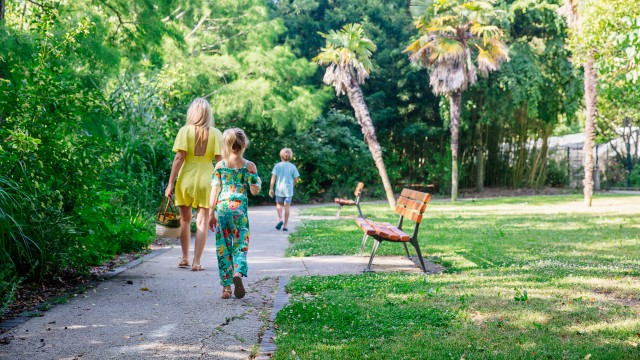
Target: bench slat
365,226
383,231
408,213
359,188
416,195
412,204
344,201
402,236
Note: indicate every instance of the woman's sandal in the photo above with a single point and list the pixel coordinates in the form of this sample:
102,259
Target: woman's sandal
183,263
238,289
197,267
226,293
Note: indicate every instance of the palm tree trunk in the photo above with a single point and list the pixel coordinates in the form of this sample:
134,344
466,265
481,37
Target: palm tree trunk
359,106
454,116
591,97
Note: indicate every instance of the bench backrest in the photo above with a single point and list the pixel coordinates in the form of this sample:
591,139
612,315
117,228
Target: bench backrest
359,188
412,204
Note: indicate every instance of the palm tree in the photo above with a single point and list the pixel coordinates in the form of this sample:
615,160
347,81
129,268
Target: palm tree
453,33
570,11
347,56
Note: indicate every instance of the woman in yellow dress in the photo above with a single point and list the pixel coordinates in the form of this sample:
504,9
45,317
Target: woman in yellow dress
197,145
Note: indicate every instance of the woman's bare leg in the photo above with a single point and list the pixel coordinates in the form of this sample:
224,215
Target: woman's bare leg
185,230
202,221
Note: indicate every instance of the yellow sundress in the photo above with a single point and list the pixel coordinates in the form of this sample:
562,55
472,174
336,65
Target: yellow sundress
193,186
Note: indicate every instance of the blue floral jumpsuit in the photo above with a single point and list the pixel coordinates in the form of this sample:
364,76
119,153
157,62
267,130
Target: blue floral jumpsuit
232,232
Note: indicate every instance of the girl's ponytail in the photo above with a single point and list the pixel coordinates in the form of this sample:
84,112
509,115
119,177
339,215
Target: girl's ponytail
233,140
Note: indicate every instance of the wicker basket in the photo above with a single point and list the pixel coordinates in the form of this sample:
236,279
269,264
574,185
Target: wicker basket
165,232
168,221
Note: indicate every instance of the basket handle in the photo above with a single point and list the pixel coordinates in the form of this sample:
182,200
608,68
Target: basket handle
169,205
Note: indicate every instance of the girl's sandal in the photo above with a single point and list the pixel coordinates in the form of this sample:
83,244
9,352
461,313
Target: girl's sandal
238,289
197,267
183,263
226,293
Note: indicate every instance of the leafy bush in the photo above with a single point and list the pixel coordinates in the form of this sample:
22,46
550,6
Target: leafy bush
634,176
615,175
557,173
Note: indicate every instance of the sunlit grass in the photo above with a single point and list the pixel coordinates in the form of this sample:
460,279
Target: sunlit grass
580,269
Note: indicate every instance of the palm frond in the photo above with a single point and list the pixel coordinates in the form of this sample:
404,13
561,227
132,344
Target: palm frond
421,49
491,57
478,5
442,20
418,8
347,55
443,30
486,31
449,49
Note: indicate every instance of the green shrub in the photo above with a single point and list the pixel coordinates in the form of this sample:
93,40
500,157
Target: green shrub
634,176
557,173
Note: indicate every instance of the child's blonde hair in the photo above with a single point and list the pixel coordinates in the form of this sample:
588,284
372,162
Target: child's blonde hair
199,115
286,154
233,139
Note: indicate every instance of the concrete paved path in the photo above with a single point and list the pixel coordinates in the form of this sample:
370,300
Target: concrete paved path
157,310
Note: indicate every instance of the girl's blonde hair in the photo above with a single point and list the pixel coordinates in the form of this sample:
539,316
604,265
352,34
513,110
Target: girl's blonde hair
199,115
286,154
233,139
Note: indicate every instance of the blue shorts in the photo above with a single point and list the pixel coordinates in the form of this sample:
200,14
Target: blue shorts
284,200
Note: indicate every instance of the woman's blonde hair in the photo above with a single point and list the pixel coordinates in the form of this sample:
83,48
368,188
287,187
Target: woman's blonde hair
199,115
233,139
286,154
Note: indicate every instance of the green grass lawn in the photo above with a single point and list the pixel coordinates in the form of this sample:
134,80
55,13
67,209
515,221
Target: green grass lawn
527,278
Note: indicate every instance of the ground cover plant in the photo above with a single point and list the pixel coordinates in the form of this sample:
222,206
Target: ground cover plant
527,278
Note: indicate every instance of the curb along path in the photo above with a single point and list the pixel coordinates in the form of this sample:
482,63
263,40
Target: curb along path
157,310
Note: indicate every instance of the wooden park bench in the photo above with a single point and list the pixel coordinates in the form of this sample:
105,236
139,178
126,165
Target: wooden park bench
349,202
411,205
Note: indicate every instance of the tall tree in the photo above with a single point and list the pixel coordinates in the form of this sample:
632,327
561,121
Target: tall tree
571,11
452,33
347,55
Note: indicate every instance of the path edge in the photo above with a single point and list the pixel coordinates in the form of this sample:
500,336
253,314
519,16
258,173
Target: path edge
8,325
268,345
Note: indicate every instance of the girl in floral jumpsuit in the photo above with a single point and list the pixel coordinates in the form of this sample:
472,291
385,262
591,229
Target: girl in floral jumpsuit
232,178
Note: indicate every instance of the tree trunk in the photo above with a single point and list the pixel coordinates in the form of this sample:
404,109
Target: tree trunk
479,159
359,106
590,96
2,10
454,116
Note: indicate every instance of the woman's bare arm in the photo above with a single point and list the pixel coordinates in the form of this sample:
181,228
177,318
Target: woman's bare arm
178,160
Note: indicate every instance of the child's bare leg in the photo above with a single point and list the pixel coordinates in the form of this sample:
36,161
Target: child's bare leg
287,208
279,211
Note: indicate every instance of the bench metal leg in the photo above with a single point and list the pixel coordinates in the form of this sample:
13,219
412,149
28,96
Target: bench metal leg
364,240
373,254
359,210
406,249
417,247
339,208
